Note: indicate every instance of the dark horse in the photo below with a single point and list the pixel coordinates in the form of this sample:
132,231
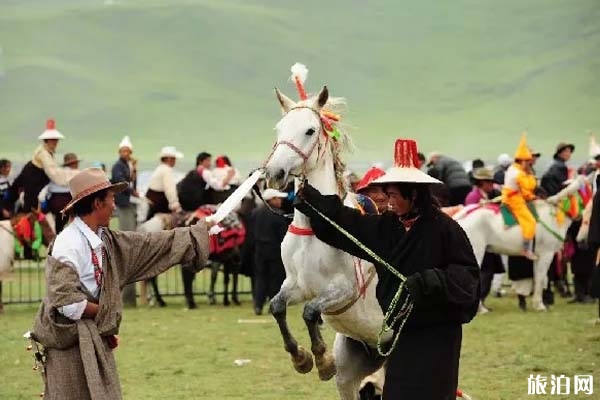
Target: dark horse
225,250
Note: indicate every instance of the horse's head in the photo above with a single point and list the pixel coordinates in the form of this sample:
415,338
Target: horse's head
300,138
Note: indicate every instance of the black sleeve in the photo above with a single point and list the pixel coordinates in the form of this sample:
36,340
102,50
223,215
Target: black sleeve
376,232
553,179
457,281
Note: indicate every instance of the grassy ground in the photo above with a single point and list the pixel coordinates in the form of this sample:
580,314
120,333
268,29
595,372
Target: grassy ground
178,354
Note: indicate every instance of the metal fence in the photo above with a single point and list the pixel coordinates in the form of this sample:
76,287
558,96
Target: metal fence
28,284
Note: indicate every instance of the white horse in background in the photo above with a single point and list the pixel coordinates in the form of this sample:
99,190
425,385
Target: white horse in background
7,253
486,231
317,274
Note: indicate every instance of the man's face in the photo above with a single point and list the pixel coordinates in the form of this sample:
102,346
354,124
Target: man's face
533,161
487,186
275,202
170,161
397,203
51,144
125,153
565,154
378,196
5,170
104,209
206,163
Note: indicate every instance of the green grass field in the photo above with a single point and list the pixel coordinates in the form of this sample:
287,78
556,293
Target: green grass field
173,353
464,76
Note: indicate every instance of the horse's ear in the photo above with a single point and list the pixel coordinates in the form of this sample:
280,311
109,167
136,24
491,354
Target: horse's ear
286,103
322,98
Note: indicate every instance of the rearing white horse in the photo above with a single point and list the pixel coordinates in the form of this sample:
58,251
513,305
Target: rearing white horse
486,231
316,273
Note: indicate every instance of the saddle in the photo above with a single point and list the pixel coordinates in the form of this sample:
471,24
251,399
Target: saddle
30,233
232,235
509,217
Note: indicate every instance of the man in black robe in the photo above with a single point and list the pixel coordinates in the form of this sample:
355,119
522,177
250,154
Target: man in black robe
433,252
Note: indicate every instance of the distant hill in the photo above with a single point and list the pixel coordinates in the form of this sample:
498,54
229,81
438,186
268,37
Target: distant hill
465,77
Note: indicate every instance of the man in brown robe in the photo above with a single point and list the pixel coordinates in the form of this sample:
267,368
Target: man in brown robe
87,268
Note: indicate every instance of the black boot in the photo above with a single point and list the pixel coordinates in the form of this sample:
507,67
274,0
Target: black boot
548,297
522,302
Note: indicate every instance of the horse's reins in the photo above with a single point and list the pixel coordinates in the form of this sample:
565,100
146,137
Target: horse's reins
9,231
407,305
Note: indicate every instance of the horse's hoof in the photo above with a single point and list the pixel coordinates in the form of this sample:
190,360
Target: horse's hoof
304,362
326,367
540,307
236,302
226,302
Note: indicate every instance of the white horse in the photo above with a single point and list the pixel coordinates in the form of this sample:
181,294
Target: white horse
486,231
317,274
7,253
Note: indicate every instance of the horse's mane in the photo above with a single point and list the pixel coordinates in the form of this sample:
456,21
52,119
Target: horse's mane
343,143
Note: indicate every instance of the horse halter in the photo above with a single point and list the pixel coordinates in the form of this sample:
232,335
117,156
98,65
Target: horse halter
304,156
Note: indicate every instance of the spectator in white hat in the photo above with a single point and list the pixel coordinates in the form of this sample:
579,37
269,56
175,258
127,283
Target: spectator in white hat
162,189
124,170
42,169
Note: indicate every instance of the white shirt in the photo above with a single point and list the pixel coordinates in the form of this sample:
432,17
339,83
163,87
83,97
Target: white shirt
510,177
219,174
214,179
72,247
163,180
56,188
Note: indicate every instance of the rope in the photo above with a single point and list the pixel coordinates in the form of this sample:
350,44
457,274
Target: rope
402,315
9,231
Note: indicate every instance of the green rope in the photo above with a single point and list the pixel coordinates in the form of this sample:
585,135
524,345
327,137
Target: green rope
552,232
407,306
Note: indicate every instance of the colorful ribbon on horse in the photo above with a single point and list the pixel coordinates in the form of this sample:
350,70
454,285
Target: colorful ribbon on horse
328,118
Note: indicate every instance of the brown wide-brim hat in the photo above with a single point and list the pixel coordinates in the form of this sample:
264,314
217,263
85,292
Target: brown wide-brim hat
70,158
561,146
90,181
483,174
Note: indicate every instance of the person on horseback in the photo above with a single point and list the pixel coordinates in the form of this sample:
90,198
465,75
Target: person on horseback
427,246
519,188
58,195
162,189
555,177
38,172
198,185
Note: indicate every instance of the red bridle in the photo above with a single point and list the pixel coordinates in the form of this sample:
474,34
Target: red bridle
304,156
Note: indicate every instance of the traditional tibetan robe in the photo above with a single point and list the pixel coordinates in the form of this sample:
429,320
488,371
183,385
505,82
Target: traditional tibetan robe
80,363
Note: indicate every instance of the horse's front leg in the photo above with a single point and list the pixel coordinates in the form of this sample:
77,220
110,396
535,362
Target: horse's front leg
301,358
333,300
1,304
